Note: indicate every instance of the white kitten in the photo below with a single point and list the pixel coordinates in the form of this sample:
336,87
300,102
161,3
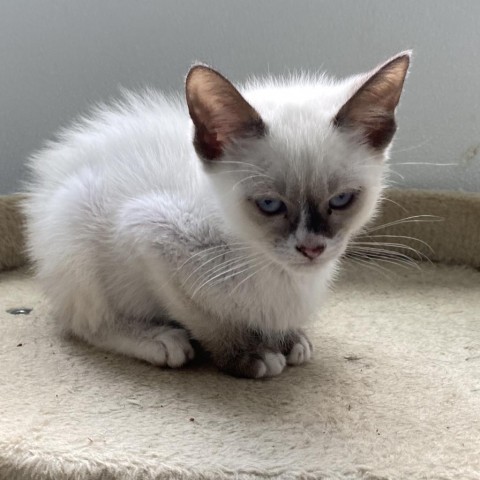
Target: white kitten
144,240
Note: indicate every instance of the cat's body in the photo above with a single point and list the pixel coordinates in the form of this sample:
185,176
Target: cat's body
133,235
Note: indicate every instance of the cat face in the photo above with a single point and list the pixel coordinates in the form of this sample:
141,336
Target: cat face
300,204
303,171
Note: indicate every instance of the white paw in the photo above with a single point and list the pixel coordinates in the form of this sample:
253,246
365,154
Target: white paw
301,352
271,365
168,346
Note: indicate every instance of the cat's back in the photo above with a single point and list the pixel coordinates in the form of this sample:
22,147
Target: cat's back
135,144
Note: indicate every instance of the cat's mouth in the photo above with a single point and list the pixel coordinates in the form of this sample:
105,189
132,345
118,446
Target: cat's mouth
311,263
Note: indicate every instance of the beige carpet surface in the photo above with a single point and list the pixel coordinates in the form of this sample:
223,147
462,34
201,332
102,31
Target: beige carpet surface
12,243
393,393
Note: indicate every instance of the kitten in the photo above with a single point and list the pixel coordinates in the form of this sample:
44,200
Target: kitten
148,231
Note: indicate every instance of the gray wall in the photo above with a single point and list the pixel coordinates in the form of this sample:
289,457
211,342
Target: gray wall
57,57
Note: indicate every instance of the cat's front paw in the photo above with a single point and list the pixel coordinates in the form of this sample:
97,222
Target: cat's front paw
167,346
271,365
254,364
297,348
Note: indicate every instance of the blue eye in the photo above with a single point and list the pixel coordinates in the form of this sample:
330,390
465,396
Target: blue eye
271,206
341,201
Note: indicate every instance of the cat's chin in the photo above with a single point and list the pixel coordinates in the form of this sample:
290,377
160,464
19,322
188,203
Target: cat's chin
310,266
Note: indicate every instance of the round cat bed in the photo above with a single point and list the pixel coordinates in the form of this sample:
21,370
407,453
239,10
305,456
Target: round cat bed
393,391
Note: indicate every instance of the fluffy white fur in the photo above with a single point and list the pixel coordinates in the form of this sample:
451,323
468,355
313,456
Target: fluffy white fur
126,224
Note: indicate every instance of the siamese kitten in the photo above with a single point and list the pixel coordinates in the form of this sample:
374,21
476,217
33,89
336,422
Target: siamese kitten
221,218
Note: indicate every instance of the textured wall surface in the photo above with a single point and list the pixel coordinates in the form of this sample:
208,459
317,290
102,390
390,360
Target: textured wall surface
58,57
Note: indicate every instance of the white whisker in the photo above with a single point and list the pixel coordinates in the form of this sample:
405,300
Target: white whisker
224,266
251,275
396,173
214,258
375,250
234,269
241,163
224,172
411,147
261,262
413,219
398,236
206,250
248,178
396,260
386,199
421,255
429,163
370,264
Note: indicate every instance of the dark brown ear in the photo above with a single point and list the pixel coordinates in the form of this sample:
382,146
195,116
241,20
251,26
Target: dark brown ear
220,114
371,110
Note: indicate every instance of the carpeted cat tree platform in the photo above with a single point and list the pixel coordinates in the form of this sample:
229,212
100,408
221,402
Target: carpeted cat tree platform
392,393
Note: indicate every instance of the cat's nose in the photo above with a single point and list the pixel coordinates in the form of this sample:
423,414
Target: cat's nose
311,252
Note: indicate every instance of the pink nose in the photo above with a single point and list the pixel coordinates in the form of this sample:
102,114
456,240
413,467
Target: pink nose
311,252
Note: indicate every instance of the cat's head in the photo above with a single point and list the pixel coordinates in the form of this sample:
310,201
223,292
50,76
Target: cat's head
297,166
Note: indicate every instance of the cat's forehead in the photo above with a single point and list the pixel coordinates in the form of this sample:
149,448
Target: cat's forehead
309,184
282,97
302,124
310,163
309,153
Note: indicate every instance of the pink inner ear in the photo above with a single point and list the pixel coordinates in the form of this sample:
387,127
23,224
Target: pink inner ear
219,112
371,110
208,143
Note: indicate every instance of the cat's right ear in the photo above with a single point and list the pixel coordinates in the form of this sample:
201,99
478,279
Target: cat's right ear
219,112
371,109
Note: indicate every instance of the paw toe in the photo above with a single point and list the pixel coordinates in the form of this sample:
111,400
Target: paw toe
179,349
173,348
301,352
255,364
275,363
260,369
271,365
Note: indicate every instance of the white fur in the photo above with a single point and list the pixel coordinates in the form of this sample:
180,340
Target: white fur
110,196
272,365
300,353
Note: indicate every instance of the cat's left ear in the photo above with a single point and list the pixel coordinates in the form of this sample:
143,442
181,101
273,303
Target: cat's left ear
371,109
219,112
